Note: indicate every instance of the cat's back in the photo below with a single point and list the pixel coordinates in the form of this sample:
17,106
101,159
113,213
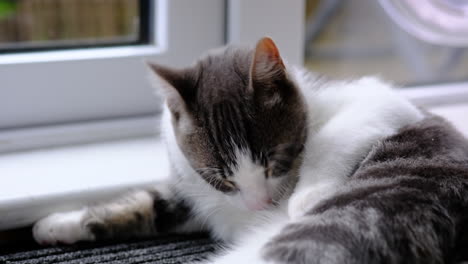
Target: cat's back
431,149
422,161
405,203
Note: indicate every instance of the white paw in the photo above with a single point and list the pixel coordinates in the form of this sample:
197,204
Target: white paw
302,201
66,228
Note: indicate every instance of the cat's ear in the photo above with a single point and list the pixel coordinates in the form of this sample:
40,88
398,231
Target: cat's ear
175,87
267,64
268,78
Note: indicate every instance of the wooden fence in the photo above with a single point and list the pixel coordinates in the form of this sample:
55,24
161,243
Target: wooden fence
47,20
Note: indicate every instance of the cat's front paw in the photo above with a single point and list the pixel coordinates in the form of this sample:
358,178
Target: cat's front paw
63,228
302,201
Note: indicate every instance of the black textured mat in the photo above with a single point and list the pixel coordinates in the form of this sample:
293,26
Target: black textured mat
170,249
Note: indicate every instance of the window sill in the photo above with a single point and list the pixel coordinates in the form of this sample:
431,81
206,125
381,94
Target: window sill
81,54
37,183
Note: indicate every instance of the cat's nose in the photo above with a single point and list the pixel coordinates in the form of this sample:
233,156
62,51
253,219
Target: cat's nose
260,204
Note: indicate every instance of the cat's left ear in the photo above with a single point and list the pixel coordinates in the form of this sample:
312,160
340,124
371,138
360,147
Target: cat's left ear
268,78
267,64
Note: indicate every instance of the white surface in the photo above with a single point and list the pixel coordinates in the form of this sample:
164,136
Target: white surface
80,54
105,83
437,95
456,114
78,133
34,184
283,21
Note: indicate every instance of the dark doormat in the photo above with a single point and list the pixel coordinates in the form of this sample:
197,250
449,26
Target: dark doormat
168,249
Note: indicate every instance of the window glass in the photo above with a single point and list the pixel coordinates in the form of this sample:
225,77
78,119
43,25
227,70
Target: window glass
345,39
52,24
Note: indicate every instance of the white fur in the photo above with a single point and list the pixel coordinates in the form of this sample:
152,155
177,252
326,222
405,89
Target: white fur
255,191
62,228
70,227
248,249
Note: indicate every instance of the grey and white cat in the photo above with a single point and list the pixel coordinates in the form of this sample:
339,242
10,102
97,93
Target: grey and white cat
288,167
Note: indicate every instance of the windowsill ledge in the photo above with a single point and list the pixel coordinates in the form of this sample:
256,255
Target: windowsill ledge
39,182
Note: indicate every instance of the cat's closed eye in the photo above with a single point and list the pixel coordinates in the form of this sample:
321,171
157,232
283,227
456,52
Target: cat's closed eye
230,186
176,115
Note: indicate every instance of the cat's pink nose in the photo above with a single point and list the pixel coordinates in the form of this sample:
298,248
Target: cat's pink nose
259,204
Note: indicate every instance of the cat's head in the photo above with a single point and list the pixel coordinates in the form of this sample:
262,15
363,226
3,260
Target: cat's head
240,121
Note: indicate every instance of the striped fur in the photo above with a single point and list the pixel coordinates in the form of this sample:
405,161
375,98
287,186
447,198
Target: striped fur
406,203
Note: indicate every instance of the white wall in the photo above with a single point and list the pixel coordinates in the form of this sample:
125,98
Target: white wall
248,21
457,114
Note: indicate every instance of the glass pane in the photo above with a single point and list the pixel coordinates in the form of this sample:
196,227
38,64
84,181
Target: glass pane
351,38
33,24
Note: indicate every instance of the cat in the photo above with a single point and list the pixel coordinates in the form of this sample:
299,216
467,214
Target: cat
287,166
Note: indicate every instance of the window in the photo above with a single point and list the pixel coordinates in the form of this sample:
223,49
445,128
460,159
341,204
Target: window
38,25
407,42
56,90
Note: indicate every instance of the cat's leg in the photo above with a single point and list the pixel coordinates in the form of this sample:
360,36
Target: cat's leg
136,214
371,223
306,197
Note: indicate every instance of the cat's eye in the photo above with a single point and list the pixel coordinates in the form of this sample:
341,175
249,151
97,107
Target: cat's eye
230,186
176,115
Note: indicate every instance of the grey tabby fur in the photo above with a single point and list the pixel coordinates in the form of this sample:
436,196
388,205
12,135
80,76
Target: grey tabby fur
407,202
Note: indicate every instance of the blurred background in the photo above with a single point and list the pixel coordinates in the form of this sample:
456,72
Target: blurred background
358,37
79,119
343,39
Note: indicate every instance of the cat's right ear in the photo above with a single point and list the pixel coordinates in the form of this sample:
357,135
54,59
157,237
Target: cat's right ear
174,86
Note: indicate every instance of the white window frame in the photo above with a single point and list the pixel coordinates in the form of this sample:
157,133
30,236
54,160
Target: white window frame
73,96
